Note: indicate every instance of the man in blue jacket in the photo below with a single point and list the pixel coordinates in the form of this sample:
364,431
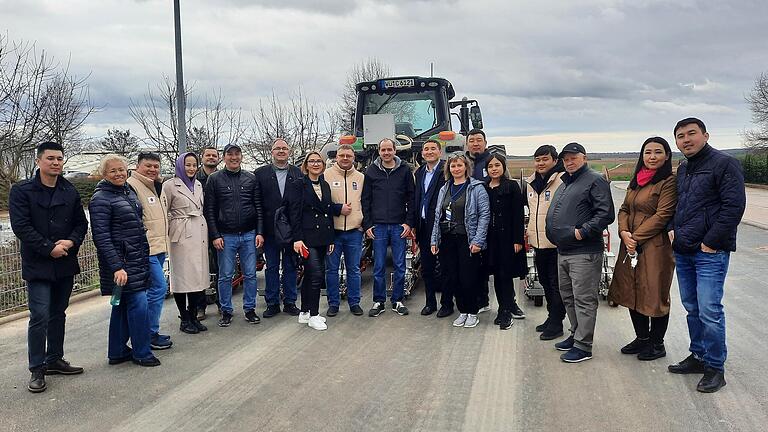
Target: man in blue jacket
388,216
711,202
580,211
48,218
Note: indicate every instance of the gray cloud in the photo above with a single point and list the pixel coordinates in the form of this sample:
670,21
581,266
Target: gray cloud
537,68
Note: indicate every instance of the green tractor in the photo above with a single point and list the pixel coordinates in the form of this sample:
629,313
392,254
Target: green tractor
411,109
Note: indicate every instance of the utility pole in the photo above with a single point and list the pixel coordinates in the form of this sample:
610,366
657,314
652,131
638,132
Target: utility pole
181,102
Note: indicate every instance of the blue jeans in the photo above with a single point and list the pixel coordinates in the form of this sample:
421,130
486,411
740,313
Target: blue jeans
243,244
130,319
156,292
274,254
388,235
48,303
700,277
350,243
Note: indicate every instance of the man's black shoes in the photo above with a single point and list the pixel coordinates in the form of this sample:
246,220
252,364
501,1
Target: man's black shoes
37,381
150,362
271,311
691,365
356,310
712,381
251,317
427,310
291,309
444,312
62,367
551,334
332,311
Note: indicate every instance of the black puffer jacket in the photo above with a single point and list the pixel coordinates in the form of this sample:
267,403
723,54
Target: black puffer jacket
582,202
388,196
233,203
711,201
39,220
119,236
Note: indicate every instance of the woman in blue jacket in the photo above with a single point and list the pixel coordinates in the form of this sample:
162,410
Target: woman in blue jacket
123,251
459,234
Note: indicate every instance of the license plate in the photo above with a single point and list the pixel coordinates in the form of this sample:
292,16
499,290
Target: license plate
399,83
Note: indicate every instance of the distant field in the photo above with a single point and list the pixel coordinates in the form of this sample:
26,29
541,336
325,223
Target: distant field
618,168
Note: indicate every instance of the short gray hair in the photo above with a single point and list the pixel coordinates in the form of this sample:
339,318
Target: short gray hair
111,158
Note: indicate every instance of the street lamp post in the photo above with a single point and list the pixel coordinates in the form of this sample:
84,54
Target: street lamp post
180,95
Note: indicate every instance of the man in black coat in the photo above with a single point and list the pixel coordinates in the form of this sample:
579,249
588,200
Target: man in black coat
429,179
48,218
580,211
274,180
388,216
711,202
235,226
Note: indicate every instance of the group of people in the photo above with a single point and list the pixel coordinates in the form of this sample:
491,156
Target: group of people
463,210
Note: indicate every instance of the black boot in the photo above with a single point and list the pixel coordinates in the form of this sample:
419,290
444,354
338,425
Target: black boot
186,325
195,321
37,381
652,351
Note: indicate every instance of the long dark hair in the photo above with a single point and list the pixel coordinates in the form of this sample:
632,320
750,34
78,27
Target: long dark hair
661,173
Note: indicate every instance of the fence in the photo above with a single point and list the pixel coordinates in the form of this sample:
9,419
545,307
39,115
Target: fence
756,168
13,289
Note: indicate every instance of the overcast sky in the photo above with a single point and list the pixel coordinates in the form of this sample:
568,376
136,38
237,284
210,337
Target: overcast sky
607,73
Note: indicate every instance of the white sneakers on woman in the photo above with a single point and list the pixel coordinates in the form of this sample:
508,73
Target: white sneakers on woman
317,322
466,321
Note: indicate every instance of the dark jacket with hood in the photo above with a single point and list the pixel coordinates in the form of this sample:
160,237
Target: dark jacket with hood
388,196
582,202
39,219
711,201
119,236
233,203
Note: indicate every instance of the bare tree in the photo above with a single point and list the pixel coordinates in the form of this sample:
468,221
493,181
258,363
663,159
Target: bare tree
39,100
210,122
120,142
757,138
370,69
301,122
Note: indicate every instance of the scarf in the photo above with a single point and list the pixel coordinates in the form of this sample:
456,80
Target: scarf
644,176
182,173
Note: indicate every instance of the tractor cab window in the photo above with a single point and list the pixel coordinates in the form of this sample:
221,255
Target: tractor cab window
414,112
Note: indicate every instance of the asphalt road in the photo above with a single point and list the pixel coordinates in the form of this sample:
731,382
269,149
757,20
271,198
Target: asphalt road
395,373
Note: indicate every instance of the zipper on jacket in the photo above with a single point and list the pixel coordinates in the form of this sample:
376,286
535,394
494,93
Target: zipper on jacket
346,197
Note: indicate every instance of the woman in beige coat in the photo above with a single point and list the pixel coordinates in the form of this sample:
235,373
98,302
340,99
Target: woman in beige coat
188,237
643,217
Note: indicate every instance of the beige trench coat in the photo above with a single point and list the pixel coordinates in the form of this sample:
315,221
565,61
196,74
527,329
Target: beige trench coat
187,236
645,213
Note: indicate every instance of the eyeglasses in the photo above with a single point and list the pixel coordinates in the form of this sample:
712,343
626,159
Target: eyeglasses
280,149
314,162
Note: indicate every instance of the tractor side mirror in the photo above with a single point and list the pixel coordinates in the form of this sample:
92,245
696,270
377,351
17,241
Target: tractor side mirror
476,117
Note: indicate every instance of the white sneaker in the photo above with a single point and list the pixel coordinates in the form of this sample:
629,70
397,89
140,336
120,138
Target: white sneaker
459,322
484,309
303,317
471,321
317,322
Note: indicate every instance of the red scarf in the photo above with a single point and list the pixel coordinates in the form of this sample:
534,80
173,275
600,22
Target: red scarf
644,176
